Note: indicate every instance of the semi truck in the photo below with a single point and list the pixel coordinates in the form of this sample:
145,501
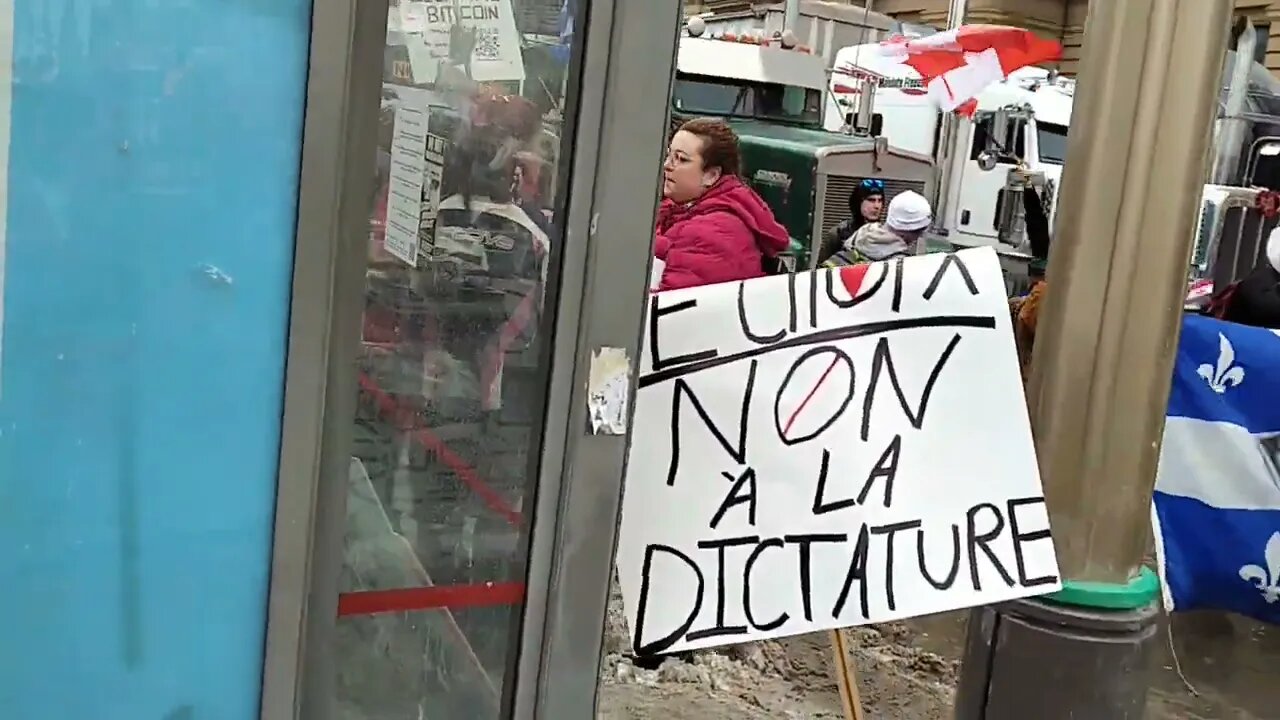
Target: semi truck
1020,123
1018,135
772,90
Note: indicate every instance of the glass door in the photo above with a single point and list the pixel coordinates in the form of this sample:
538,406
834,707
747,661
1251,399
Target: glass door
445,524
463,255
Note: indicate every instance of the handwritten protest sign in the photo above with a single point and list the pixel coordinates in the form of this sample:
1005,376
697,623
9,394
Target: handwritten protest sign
829,449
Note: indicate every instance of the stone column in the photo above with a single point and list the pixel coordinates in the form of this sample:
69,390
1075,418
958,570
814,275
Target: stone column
1136,163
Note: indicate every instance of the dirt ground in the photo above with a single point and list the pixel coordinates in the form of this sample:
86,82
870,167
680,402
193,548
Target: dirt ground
787,679
908,671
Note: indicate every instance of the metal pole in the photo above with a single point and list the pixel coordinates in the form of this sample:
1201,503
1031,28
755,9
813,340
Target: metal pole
791,17
955,13
1226,160
947,153
1136,162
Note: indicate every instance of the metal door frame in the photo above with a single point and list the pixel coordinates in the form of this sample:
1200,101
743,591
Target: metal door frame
619,142
335,195
604,269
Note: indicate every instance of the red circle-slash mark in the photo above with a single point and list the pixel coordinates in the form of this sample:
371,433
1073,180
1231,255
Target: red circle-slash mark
807,398
821,415
852,276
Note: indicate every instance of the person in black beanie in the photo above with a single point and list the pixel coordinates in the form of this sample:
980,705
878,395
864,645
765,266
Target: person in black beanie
866,204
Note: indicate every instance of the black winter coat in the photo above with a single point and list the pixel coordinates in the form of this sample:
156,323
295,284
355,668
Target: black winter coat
1256,300
833,241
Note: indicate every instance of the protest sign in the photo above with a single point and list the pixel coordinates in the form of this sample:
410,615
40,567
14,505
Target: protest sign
829,449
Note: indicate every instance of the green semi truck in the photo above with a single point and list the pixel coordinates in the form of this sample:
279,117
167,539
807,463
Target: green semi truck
774,97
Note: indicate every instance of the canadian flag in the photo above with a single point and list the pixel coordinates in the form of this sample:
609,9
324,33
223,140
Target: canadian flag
958,64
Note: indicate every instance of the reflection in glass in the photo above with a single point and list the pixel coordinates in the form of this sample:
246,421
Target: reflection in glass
453,366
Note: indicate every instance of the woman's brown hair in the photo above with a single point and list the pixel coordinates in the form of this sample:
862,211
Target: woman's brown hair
719,144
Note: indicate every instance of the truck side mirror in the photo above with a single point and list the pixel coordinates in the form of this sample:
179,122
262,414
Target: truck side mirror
988,160
877,124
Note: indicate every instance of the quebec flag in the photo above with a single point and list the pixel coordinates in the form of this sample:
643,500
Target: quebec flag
1216,512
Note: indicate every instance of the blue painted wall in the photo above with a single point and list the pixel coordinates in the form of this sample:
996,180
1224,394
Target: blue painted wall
151,204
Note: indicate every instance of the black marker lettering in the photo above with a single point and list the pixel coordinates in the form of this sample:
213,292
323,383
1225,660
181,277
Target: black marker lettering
857,571
792,323
746,327
746,586
785,418
739,452
949,580
813,300
655,314
1020,537
886,467
748,477
805,542
663,643
882,362
981,540
822,337
820,506
720,629
891,530
830,280
948,261
897,285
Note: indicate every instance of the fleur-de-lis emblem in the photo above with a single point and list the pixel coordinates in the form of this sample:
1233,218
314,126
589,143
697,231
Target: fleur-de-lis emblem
1226,374
1267,579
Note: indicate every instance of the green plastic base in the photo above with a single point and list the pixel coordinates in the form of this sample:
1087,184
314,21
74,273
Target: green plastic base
1137,593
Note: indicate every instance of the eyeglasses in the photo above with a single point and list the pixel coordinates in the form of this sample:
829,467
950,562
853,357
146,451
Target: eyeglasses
872,184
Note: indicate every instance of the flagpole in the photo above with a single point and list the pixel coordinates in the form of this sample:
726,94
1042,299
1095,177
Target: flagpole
791,17
1102,363
946,150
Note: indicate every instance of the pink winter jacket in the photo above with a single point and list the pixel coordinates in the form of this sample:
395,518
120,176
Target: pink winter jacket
720,237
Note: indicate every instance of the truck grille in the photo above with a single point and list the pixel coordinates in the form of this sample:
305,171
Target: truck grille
835,204
1242,245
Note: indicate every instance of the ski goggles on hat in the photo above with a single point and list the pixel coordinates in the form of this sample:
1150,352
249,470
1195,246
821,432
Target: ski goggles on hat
872,184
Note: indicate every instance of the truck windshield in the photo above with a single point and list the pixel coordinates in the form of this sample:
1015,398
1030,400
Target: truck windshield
911,30
1053,142
697,94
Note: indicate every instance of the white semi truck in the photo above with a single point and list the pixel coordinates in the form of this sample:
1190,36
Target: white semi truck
1023,121
1032,132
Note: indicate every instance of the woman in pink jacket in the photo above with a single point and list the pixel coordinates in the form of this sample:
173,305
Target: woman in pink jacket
711,227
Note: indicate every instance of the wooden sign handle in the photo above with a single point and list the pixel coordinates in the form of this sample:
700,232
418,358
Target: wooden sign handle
846,678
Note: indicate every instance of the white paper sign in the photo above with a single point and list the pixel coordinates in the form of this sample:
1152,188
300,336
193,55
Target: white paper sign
496,56
829,449
404,192
655,274
431,181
